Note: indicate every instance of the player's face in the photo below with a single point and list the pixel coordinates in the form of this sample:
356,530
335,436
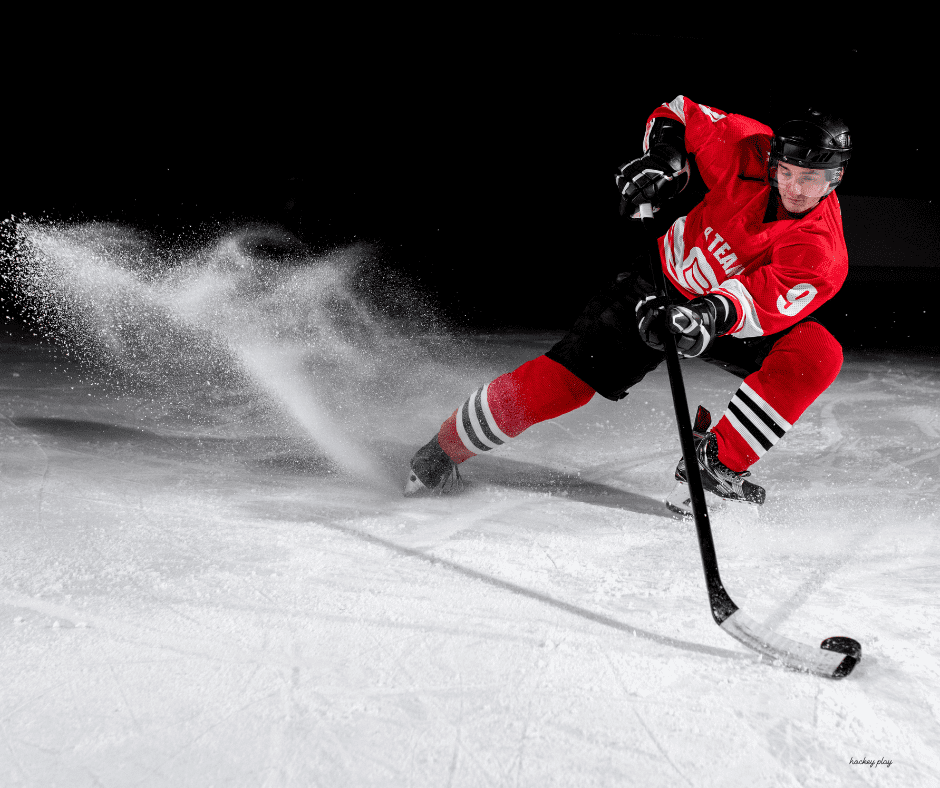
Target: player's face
800,187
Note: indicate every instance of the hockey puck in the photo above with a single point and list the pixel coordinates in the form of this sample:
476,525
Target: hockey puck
843,645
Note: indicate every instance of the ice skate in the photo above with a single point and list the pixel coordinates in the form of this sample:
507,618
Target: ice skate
432,472
717,479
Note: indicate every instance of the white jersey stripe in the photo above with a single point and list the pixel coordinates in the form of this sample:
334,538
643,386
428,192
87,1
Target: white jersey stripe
667,252
677,105
674,249
715,116
751,326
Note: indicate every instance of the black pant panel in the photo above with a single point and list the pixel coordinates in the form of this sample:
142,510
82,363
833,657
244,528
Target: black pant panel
605,350
603,347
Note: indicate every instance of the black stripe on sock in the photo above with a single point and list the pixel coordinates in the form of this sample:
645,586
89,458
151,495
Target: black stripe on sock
481,417
468,427
763,415
759,436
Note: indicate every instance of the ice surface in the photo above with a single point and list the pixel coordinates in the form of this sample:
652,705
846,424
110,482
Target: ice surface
199,587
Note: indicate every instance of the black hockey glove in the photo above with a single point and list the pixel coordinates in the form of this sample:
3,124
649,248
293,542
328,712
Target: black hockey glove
652,178
696,324
660,174
649,320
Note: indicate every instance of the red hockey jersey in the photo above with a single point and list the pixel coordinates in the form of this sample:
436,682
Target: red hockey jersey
776,272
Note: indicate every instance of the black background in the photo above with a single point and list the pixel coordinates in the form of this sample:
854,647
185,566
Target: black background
480,164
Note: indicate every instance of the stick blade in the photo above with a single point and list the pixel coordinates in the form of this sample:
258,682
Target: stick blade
843,645
835,659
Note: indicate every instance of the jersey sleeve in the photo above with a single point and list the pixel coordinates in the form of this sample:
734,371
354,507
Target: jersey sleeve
721,143
771,298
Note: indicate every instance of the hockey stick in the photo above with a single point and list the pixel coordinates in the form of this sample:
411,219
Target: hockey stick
836,656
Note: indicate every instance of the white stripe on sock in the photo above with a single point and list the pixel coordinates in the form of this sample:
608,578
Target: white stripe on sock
782,422
462,433
755,420
745,433
478,432
490,420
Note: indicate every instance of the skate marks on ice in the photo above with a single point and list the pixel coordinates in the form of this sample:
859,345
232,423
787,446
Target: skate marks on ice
363,634
881,407
306,627
571,486
487,476
860,477
301,514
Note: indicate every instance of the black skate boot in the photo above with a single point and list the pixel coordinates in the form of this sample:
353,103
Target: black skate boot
716,477
432,471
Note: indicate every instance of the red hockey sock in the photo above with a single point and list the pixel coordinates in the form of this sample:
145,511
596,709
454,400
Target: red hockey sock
538,390
801,366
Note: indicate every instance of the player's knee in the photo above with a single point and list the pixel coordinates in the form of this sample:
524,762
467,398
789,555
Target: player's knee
824,356
553,385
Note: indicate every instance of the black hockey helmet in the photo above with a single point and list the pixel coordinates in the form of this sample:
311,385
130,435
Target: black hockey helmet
814,140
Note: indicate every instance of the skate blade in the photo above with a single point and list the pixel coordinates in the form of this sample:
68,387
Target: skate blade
414,488
679,501
453,484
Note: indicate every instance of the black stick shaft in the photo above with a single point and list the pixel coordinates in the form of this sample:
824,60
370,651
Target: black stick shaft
721,604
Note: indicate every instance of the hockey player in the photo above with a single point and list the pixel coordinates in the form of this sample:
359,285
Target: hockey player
746,268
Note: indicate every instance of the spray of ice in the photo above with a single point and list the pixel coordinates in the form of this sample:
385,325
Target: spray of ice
250,316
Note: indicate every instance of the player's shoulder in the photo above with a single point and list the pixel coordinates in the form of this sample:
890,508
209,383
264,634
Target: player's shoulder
750,136
706,121
748,127
725,144
730,122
